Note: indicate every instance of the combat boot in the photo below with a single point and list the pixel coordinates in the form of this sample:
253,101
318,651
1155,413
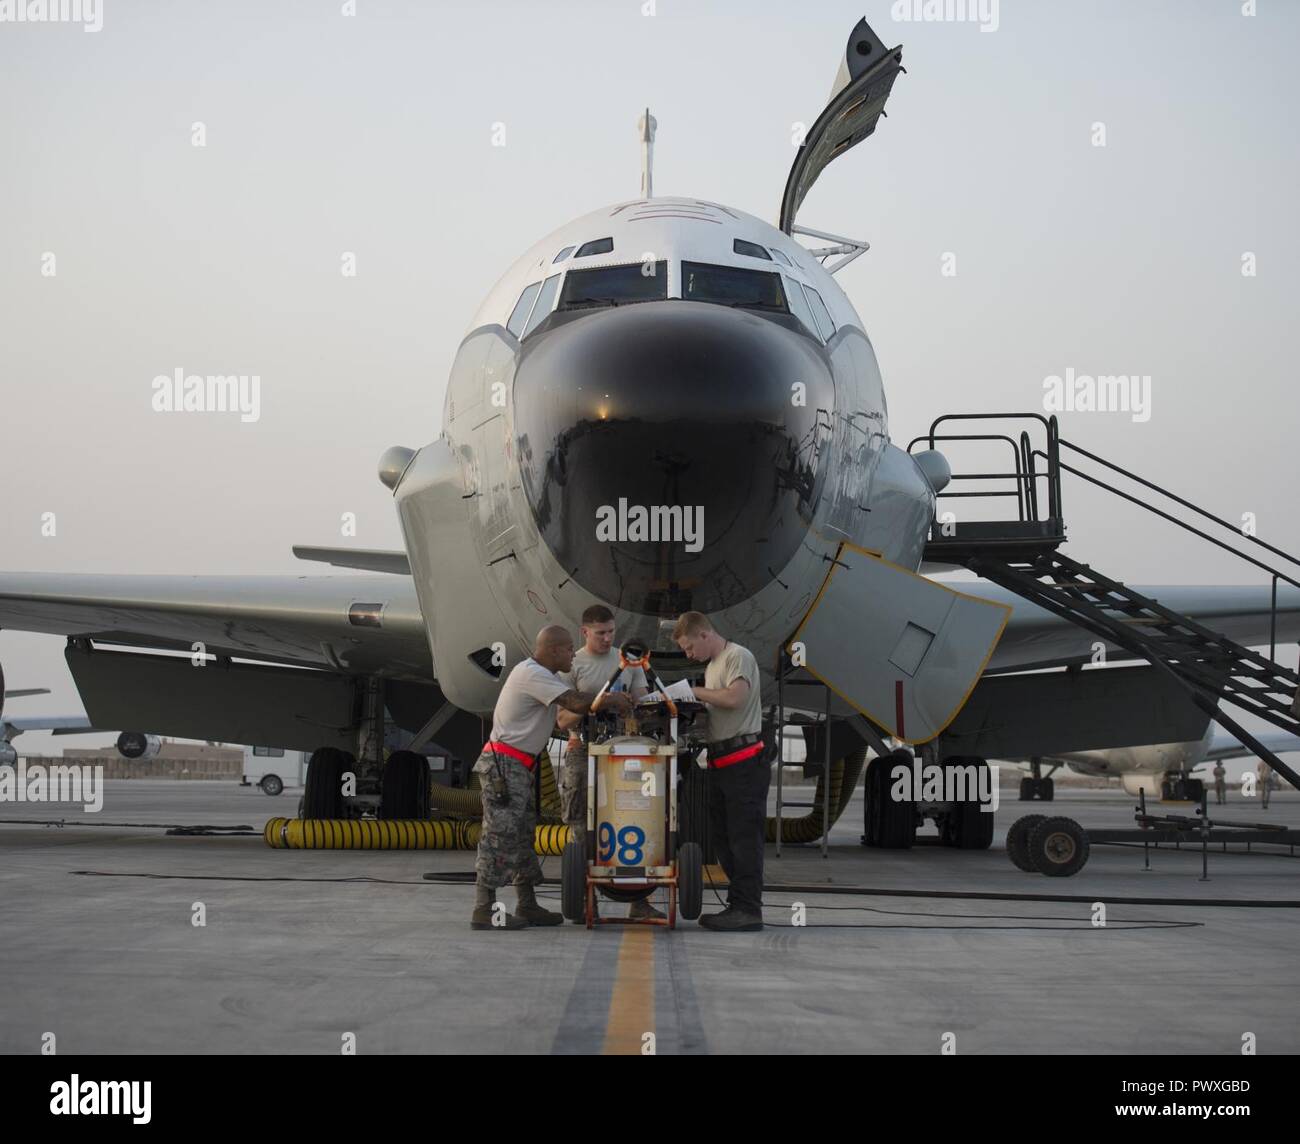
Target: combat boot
642,910
532,913
733,920
484,900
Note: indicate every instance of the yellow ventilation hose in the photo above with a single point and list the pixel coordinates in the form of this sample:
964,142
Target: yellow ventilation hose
549,838
468,801
393,834
844,779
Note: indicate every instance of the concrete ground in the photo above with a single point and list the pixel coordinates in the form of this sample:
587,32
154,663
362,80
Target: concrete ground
301,949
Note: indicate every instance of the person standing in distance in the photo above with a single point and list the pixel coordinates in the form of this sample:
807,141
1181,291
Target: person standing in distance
739,775
521,724
593,666
1265,773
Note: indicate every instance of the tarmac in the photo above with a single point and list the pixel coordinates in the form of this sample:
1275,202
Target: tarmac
315,951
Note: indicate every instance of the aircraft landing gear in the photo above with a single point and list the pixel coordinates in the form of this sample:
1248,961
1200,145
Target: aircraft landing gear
1035,786
1178,786
966,825
1042,789
323,795
888,823
405,790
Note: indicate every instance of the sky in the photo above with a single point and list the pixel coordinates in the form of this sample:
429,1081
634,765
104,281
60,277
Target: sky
375,134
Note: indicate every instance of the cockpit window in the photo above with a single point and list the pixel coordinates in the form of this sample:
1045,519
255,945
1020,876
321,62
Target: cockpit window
781,258
595,246
562,255
614,285
751,249
799,306
543,306
733,286
519,315
823,315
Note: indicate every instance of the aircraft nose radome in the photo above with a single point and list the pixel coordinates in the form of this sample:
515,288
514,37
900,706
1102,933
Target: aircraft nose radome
672,452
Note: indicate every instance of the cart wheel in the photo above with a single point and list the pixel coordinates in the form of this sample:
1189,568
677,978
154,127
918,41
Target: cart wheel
1058,847
573,882
690,879
1018,841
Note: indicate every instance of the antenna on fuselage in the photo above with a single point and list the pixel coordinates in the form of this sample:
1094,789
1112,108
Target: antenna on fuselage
646,125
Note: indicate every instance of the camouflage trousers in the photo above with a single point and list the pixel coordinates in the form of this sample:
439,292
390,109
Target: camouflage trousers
505,848
573,793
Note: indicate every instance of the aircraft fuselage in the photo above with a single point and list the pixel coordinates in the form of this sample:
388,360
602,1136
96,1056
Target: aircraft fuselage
679,451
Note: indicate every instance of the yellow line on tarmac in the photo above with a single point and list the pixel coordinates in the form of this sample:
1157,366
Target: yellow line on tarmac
632,1003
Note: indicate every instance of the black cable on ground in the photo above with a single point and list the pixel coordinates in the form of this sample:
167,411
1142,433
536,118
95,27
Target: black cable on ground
170,827
1036,929
467,878
239,877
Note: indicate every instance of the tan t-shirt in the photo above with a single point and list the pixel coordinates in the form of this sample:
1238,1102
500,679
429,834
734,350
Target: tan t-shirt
732,663
591,672
525,710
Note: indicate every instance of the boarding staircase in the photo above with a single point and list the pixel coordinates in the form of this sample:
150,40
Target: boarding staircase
1022,555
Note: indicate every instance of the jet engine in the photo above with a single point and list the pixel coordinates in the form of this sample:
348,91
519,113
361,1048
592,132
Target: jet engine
138,745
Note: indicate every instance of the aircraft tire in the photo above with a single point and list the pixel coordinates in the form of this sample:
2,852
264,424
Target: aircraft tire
895,819
404,790
323,796
966,826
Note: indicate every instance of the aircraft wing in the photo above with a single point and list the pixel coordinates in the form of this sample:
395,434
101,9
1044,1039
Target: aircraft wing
371,624
58,724
351,624
1226,746
1035,638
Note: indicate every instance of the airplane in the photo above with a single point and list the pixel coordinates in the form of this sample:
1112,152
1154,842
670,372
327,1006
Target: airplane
130,744
665,404
1158,768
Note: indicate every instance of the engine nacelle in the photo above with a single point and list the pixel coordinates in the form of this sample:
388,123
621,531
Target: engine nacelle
138,745
8,755
1141,783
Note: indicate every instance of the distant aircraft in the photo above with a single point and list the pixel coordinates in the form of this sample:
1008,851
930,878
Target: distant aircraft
130,744
1157,768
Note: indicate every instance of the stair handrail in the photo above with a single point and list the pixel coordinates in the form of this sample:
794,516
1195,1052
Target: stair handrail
1274,573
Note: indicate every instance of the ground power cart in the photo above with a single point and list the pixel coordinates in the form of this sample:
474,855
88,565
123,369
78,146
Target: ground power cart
631,847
